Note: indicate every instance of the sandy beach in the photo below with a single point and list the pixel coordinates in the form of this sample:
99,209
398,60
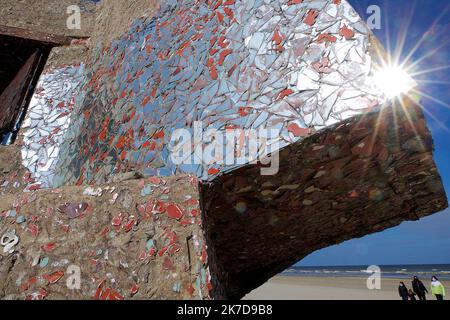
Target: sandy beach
329,288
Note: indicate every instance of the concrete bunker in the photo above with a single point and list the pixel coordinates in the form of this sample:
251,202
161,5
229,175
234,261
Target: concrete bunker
359,177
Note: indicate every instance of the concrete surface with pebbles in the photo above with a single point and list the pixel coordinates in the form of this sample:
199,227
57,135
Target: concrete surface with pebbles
138,239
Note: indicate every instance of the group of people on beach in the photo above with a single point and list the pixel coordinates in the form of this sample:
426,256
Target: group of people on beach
419,290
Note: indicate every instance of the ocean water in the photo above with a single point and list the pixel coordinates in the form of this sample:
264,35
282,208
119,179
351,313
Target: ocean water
424,272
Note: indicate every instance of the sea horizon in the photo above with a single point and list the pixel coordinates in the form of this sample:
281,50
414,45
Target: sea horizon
402,271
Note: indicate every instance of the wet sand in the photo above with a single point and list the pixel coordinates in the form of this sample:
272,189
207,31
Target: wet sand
328,288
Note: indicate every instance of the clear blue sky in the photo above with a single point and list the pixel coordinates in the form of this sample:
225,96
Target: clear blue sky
426,241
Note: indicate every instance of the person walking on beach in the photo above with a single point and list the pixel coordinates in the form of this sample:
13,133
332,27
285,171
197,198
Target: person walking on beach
419,288
412,295
437,288
403,291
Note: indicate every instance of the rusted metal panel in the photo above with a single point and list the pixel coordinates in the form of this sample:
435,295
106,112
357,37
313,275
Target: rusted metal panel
12,98
47,38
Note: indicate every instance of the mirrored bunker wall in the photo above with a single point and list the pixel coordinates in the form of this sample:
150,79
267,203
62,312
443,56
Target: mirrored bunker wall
291,66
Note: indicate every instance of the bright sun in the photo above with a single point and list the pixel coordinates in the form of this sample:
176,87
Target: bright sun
393,81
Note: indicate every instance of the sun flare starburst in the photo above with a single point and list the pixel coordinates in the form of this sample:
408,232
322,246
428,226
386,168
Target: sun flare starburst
393,81
407,75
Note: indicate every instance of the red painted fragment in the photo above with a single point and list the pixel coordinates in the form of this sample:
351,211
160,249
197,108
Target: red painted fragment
121,142
99,290
107,294
204,256
194,212
159,135
53,277
222,42
34,229
190,289
346,32
285,93
35,187
174,212
213,51
322,65
186,222
326,37
49,247
129,225
245,111
114,295
213,171
145,101
155,180
174,249
102,135
168,265
220,16
134,290
297,131
143,256
117,221
213,72
26,285
36,296
229,13
183,47
231,71
145,144
223,54
311,17
197,36
163,251
192,201
277,37
217,5
159,207
213,41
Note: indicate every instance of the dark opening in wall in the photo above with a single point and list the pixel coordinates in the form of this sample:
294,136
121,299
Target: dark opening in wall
21,63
